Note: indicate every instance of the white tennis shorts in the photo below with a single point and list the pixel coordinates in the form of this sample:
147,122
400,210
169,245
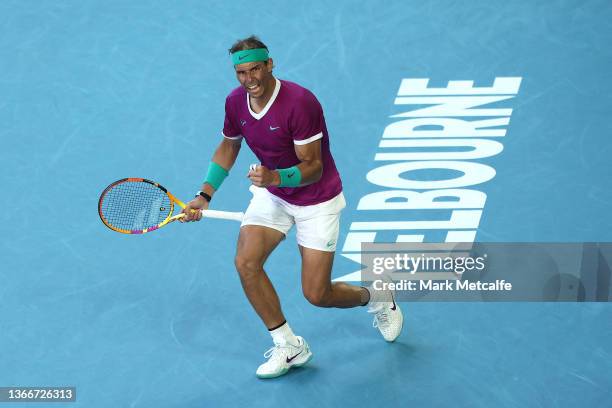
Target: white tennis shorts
317,225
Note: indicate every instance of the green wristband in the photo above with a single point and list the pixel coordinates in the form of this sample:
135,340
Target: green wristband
215,176
290,177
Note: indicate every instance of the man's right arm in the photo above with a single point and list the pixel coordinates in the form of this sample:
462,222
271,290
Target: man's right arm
225,156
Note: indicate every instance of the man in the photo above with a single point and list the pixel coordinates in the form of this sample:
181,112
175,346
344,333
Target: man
296,183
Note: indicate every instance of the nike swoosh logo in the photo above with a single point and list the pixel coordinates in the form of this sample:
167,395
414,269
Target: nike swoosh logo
290,359
290,175
274,128
242,122
394,306
243,57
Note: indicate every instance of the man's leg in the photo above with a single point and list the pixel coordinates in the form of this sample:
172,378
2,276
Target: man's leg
255,244
320,291
317,286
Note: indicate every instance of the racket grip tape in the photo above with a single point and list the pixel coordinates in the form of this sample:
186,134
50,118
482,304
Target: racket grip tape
226,215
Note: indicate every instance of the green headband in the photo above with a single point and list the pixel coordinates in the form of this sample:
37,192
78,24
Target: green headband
256,54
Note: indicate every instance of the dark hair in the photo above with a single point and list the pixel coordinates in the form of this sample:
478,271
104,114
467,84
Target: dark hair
248,43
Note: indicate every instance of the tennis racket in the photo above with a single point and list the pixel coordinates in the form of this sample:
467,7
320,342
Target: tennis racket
137,205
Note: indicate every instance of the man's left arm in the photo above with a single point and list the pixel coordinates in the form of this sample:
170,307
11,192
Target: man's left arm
311,164
310,168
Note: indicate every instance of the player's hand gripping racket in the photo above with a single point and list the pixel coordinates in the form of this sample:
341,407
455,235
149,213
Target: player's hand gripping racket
136,206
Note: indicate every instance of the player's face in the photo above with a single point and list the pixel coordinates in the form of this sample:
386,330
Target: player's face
256,77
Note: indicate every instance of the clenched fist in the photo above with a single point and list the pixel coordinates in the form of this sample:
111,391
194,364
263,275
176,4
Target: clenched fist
261,176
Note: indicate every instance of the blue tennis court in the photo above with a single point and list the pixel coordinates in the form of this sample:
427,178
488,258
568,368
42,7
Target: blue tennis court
94,91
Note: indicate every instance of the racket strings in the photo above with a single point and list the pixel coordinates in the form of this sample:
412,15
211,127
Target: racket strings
135,205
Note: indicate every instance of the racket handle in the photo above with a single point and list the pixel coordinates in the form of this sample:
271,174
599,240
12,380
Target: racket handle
226,215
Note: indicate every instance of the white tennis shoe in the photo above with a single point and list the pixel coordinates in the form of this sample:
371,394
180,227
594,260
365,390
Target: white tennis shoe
388,318
282,357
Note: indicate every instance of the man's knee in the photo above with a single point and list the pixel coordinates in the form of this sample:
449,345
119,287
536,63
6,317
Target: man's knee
318,296
247,267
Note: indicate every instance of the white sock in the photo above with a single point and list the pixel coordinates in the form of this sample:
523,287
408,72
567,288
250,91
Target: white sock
378,296
283,335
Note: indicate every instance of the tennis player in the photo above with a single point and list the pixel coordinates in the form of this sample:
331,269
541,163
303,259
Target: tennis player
296,183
